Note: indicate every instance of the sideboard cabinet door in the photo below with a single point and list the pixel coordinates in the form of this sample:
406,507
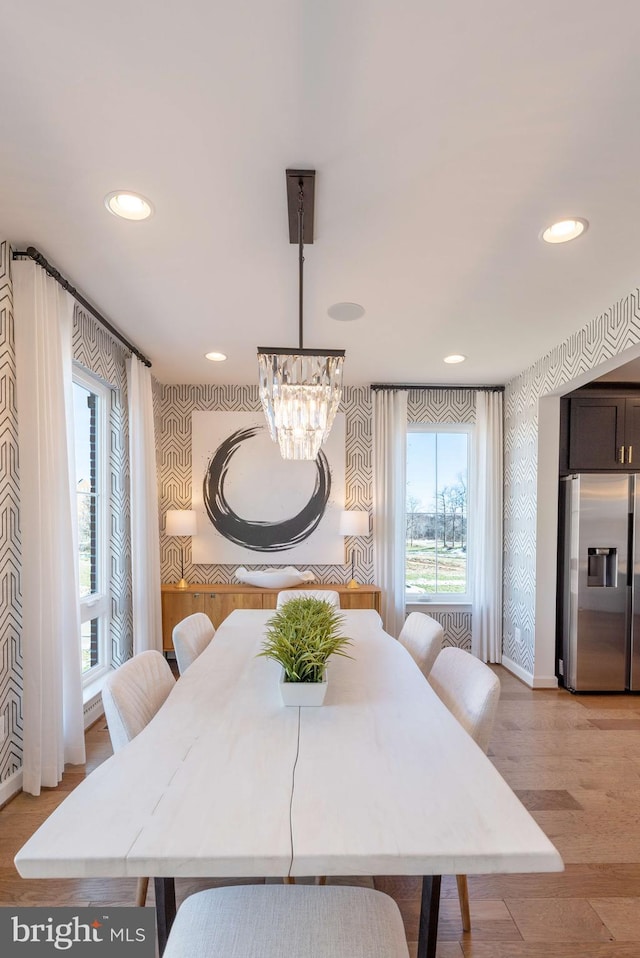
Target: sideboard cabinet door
218,605
176,606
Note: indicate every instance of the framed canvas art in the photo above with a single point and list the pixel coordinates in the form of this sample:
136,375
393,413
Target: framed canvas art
253,507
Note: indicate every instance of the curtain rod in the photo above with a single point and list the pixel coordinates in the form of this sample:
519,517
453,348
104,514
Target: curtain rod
38,258
447,388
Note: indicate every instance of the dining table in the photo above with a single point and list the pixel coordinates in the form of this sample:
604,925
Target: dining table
226,782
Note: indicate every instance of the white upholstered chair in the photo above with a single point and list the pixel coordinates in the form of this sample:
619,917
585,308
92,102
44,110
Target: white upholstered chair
471,691
131,696
327,595
422,637
301,921
190,638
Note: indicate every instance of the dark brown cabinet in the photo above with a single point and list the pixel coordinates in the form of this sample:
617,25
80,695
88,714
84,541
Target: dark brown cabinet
604,433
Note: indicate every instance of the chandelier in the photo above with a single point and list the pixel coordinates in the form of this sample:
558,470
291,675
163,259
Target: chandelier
300,389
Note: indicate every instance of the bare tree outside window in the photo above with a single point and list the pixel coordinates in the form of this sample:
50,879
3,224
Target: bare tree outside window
413,504
436,513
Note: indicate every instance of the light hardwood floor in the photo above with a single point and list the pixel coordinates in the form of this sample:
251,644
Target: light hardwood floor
575,763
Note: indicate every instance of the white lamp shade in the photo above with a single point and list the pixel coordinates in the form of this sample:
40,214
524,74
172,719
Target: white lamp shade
180,522
354,522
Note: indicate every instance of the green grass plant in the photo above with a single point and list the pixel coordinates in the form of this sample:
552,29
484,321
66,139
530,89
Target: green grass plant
302,635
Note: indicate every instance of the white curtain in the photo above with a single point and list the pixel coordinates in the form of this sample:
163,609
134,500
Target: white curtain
53,709
389,502
487,522
145,530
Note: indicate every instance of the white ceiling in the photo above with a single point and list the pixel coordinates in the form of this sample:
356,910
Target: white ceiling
628,373
445,137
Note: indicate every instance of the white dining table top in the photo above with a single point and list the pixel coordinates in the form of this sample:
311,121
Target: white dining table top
226,781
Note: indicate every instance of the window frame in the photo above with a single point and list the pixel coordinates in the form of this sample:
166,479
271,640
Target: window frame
446,598
97,605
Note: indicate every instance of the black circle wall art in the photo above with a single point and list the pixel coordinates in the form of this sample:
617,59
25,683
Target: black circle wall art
256,535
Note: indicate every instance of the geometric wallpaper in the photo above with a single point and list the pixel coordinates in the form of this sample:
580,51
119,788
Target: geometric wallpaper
441,406
602,338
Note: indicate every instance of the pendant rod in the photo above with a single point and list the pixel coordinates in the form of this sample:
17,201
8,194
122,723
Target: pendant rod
300,256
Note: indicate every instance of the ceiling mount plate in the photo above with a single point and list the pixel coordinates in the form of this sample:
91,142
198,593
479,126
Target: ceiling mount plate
308,178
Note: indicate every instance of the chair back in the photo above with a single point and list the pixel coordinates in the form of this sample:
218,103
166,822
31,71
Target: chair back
191,637
326,595
469,689
133,694
422,637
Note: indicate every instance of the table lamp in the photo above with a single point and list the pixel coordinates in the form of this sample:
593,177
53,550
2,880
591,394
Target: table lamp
181,522
354,522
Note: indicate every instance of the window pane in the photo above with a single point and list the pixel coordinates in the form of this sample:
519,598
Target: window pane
89,634
84,408
88,565
86,457
92,401
436,535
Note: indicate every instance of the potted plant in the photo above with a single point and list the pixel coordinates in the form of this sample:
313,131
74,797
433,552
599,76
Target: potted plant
301,636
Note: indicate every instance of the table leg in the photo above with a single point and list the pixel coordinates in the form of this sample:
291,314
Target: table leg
165,889
429,910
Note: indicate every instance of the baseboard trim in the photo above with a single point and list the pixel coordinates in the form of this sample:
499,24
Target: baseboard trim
518,671
534,682
93,709
10,787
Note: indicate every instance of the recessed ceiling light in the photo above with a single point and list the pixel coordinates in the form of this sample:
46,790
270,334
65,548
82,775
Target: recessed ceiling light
346,312
565,230
215,357
131,206
454,358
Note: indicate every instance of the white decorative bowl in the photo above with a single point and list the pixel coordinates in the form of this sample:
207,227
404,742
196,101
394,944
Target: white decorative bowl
303,693
274,578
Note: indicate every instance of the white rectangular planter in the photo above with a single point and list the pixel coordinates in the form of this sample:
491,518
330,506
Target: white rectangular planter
303,693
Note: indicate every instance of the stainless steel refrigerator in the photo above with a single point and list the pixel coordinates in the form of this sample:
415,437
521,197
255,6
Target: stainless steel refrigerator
601,583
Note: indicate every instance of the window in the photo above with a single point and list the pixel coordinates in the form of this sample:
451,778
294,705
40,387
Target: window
437,518
91,400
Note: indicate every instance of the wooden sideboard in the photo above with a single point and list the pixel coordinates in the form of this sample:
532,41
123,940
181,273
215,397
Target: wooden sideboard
217,601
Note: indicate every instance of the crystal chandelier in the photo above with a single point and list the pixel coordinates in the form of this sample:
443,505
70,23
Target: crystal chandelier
300,389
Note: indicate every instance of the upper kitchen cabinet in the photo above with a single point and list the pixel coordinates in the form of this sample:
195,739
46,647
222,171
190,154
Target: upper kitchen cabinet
604,432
